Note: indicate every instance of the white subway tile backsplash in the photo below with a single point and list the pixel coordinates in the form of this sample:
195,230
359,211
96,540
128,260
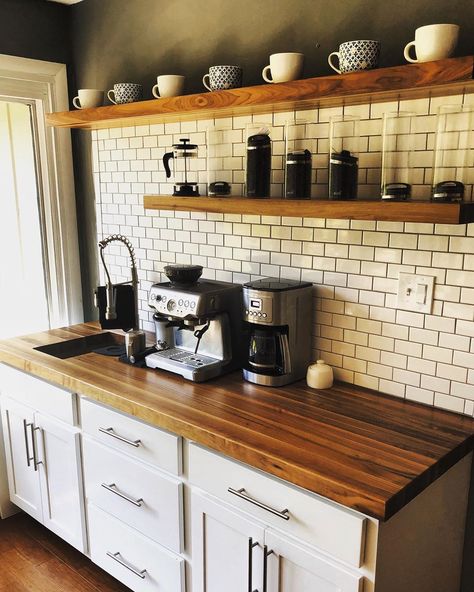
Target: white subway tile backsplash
354,264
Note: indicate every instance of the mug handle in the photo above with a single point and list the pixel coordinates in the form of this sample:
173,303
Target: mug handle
406,53
155,92
206,84
112,100
265,76
76,103
336,54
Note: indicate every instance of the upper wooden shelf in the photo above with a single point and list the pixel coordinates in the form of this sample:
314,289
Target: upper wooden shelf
408,211
440,78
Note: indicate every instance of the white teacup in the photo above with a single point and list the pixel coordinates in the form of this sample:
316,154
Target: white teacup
433,42
88,98
284,67
168,85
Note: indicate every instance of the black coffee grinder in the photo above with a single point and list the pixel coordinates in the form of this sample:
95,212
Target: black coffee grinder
182,152
298,175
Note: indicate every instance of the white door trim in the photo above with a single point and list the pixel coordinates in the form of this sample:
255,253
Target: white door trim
45,83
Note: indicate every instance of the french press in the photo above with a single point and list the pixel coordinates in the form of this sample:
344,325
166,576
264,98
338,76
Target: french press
181,154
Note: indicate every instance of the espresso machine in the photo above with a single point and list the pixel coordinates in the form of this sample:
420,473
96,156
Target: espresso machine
198,325
277,315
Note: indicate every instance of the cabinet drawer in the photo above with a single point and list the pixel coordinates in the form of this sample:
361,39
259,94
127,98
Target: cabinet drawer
39,394
141,497
130,435
306,516
135,560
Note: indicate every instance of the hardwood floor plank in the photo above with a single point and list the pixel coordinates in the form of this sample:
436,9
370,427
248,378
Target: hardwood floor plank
33,559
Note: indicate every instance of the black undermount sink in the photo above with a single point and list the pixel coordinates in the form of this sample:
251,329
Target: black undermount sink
111,344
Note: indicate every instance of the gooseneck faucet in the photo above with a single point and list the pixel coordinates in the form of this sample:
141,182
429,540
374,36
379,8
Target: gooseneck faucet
110,312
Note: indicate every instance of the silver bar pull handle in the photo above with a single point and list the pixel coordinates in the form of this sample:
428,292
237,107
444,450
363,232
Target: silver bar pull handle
27,446
110,432
284,514
250,564
266,553
113,488
36,462
116,557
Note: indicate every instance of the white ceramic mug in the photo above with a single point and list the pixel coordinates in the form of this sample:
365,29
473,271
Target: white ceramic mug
284,67
168,85
88,98
432,42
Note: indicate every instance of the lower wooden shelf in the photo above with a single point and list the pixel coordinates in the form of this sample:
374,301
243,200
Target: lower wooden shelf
409,211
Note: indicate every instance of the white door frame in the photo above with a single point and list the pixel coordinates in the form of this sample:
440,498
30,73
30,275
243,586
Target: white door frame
45,85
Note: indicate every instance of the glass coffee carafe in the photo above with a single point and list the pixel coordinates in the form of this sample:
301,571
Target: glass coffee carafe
182,153
269,350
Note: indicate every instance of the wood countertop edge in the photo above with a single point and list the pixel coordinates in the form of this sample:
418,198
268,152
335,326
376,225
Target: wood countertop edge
381,508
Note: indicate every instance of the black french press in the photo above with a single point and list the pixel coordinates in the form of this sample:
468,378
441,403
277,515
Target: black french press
180,154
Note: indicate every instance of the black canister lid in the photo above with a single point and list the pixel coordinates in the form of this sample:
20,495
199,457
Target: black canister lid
343,157
276,285
258,141
298,156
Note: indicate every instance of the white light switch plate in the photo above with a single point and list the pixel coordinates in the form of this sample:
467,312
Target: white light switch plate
415,292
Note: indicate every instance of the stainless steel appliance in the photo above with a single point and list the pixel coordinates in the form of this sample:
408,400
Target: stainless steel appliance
277,315
198,328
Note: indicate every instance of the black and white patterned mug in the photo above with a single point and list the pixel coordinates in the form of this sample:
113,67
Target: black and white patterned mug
223,78
356,55
125,92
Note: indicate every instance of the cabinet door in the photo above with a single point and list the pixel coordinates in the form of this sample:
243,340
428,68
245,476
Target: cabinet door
59,460
227,548
22,470
290,567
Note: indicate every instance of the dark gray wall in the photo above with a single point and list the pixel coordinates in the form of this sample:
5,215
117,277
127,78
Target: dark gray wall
134,40
35,29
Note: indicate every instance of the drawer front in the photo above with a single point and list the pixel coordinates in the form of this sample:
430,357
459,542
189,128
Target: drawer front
141,497
328,526
38,394
132,436
135,560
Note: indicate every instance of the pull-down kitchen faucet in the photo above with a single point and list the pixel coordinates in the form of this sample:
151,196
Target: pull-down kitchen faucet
111,312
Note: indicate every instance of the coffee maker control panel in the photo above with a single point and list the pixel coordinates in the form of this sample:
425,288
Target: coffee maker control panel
257,309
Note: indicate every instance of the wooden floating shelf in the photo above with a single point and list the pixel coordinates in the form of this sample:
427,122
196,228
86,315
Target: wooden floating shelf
409,211
440,78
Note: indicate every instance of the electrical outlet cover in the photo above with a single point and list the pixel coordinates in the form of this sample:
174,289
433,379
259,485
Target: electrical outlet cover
415,292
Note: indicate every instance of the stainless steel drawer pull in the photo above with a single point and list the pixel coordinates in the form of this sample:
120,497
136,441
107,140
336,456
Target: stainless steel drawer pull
110,432
116,557
113,488
27,446
285,514
36,462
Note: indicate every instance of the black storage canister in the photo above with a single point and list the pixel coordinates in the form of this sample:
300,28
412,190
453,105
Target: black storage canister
343,175
259,155
298,174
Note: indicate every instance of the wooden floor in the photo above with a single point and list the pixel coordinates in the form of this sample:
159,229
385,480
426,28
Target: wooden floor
32,559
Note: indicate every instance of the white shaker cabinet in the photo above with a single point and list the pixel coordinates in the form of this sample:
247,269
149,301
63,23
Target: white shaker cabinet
227,548
42,453
290,567
233,552
23,480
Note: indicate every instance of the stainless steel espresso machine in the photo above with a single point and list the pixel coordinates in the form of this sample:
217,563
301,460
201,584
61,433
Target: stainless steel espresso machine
277,315
198,325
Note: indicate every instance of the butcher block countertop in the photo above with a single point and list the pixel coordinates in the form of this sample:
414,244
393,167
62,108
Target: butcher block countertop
368,451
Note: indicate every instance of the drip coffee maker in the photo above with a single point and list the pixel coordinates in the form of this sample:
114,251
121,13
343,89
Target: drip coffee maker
182,153
277,317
